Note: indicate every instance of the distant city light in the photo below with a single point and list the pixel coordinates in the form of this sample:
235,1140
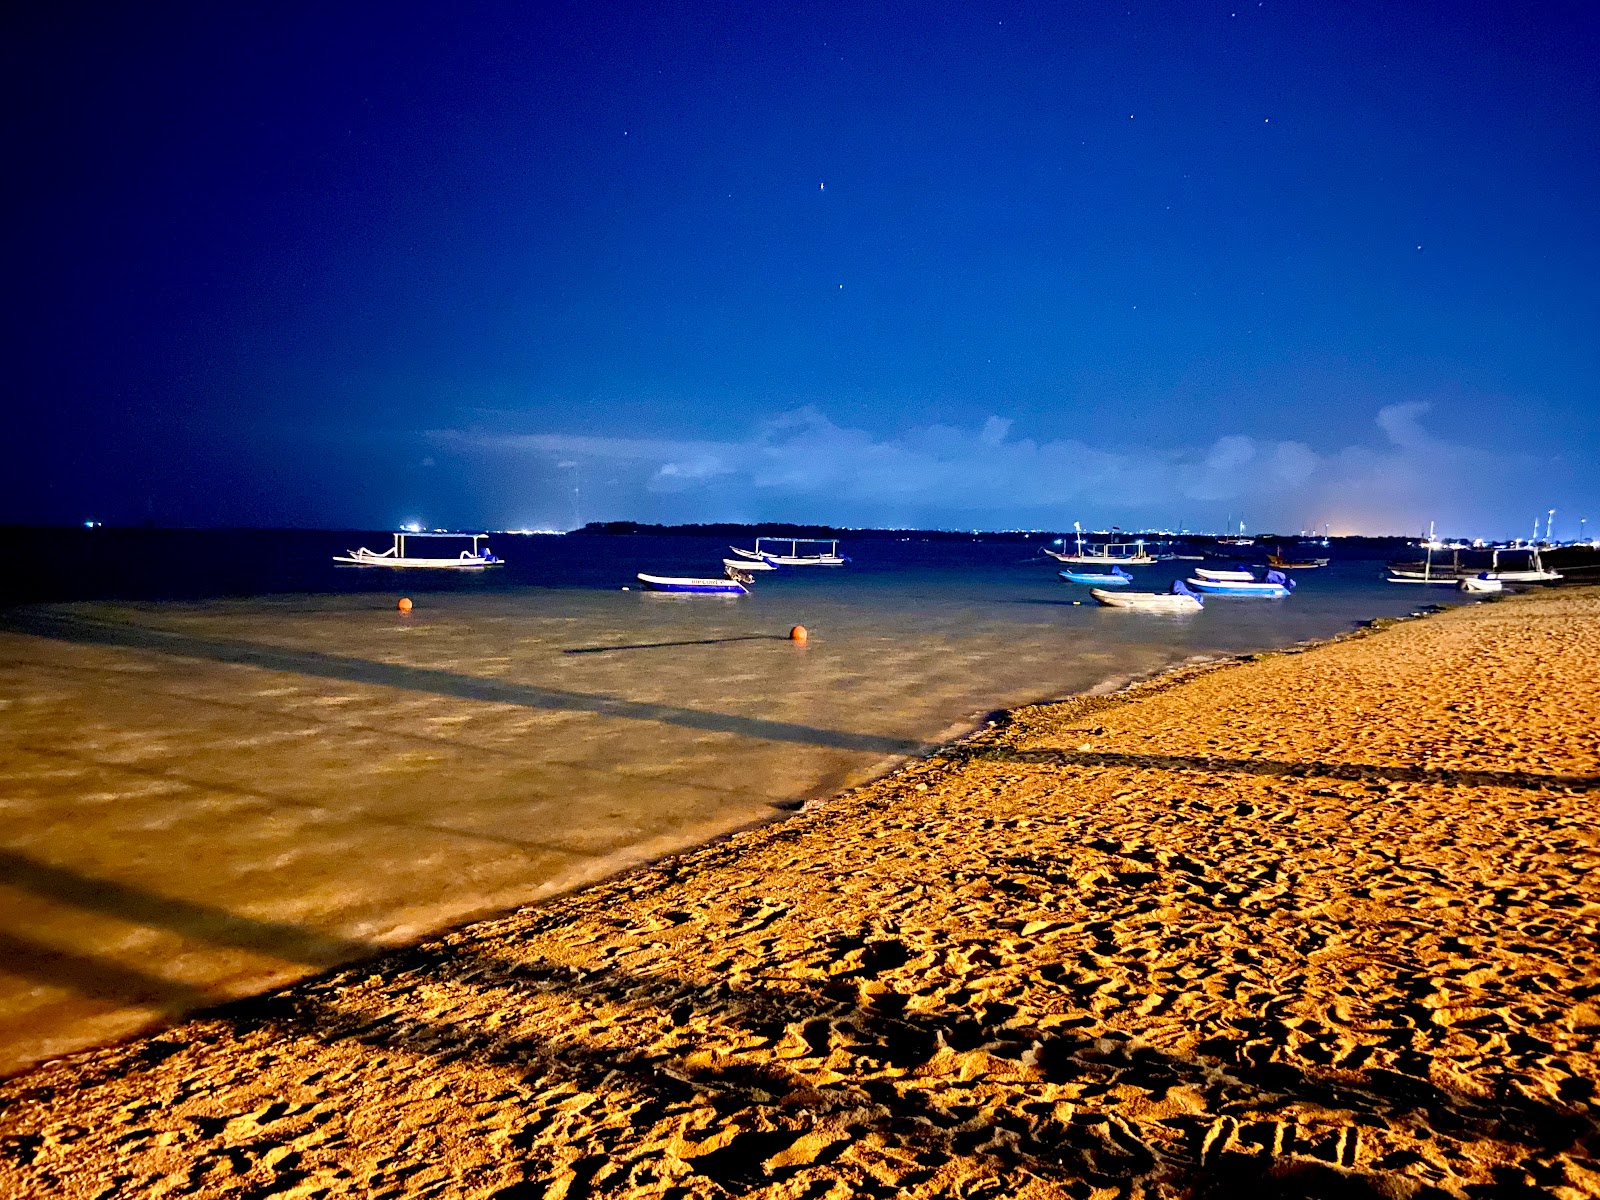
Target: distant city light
412,527
91,524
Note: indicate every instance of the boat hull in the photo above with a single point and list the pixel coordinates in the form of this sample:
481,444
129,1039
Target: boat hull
1094,579
791,560
748,564
1264,591
688,586
1103,560
1158,602
357,559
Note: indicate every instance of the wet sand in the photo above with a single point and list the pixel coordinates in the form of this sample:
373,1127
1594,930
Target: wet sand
1318,924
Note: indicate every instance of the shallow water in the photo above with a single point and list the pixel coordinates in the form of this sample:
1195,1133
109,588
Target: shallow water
207,797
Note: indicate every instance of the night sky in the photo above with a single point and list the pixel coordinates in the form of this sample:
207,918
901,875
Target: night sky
962,265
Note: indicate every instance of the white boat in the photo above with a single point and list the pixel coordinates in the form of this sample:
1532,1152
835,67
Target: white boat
1480,583
1214,576
1275,586
1535,572
1106,554
475,559
1241,540
794,558
679,583
1426,572
748,564
1179,600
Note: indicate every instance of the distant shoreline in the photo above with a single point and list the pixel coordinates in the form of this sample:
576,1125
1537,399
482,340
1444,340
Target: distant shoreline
719,529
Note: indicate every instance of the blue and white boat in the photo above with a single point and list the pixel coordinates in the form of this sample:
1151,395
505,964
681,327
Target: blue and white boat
678,583
1117,577
1276,586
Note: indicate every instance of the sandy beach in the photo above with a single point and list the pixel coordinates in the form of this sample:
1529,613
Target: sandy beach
1318,924
208,800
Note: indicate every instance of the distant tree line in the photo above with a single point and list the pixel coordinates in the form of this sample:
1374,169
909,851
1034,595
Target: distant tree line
780,529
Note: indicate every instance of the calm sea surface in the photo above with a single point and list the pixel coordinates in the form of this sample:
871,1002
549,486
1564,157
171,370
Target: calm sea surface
228,763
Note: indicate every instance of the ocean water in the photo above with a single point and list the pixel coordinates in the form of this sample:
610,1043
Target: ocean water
226,763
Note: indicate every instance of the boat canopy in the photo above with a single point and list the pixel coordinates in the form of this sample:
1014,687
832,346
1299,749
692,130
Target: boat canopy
437,534
794,545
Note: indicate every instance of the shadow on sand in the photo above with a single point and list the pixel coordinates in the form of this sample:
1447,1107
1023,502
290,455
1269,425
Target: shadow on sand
855,1046
1353,772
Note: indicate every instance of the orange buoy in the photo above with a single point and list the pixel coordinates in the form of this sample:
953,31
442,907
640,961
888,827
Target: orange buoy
405,604
797,634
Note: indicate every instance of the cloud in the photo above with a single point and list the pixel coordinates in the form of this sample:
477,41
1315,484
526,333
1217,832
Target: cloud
802,465
1401,422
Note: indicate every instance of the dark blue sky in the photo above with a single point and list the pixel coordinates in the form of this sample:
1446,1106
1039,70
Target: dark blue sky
963,265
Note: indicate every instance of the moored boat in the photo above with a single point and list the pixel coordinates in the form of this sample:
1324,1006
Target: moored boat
1281,563
771,551
1274,587
1117,577
748,564
475,559
1427,572
1179,600
1105,554
678,583
1225,575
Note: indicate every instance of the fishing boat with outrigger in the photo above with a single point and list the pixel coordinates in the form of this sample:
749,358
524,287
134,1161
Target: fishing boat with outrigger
1179,600
1117,577
1106,554
1427,573
775,556
1275,586
475,559
748,564
733,583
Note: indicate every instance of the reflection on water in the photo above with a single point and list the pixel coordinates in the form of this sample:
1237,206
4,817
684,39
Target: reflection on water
204,799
